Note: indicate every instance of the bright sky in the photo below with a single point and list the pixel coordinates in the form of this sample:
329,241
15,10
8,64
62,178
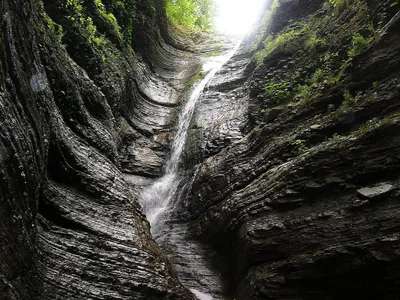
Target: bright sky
236,17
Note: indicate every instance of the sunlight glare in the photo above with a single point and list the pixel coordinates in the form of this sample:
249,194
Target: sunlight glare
236,17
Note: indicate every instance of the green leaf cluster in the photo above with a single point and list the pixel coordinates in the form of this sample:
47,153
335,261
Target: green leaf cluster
125,13
85,23
108,16
192,14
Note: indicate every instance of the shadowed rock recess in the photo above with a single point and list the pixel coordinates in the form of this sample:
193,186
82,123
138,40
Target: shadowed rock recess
292,161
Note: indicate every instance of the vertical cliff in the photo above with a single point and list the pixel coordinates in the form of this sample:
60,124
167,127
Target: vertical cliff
298,141
290,177
84,94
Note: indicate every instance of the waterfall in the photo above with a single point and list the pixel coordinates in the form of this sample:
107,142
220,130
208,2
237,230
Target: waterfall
156,198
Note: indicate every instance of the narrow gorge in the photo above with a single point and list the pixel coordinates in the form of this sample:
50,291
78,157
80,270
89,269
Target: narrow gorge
140,160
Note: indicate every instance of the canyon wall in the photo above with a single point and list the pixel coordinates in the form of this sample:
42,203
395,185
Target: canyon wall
81,112
292,157
298,176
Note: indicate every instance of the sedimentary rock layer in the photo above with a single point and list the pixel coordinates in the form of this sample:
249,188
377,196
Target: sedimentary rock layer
75,115
306,205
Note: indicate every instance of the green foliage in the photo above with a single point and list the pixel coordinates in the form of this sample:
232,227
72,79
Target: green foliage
370,124
303,92
196,77
192,14
359,44
350,100
318,76
85,24
277,92
340,4
124,11
324,71
90,32
214,53
108,16
275,42
54,27
336,137
314,41
266,22
299,146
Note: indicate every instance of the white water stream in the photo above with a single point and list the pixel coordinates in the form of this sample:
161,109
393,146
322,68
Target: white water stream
156,198
190,258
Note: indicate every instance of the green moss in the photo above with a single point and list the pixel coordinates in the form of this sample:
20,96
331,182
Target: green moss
273,43
266,22
340,4
84,24
277,92
359,44
196,77
54,27
214,53
109,17
314,41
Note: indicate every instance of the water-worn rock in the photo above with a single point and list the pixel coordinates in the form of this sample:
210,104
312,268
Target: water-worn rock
292,203
74,118
303,207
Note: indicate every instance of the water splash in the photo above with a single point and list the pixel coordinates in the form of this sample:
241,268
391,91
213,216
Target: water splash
156,198
201,295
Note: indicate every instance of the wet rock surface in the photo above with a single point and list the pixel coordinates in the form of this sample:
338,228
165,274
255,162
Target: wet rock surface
305,205
75,118
291,200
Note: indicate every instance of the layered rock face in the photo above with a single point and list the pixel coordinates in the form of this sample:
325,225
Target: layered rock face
78,110
305,204
293,153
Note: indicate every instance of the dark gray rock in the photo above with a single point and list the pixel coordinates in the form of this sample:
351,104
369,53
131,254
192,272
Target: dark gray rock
290,219
72,123
271,114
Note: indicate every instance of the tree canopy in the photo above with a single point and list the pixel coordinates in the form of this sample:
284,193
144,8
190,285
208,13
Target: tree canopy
193,14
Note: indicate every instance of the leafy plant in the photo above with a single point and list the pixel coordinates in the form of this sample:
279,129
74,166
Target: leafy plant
192,14
277,92
336,137
87,28
349,99
359,44
108,16
304,93
314,41
318,76
340,4
214,53
274,42
54,27
124,12
299,146
266,21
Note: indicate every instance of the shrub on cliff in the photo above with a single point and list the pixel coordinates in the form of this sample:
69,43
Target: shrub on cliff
192,14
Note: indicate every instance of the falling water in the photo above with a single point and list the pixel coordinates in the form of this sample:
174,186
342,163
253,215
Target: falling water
156,198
